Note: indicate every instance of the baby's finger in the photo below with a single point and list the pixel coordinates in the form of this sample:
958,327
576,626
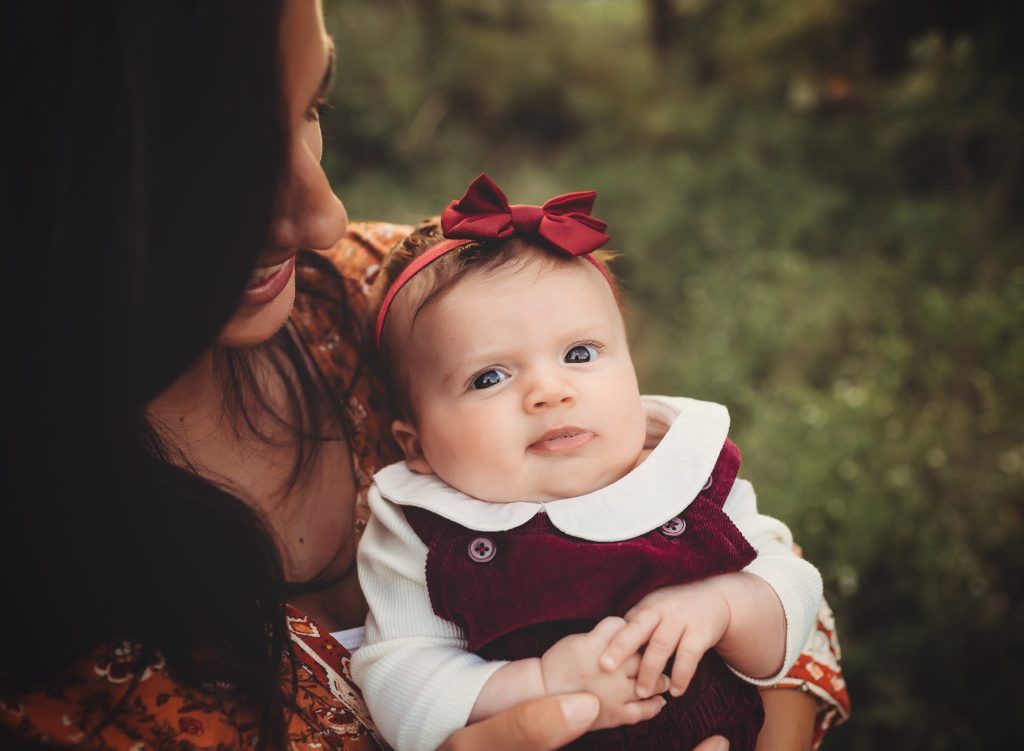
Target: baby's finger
691,650
638,711
606,629
631,666
662,644
629,669
627,641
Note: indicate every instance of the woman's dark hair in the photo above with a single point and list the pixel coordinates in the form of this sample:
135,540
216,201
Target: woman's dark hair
143,144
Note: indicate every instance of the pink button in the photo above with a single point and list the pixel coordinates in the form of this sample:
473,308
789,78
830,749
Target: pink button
482,549
707,484
674,527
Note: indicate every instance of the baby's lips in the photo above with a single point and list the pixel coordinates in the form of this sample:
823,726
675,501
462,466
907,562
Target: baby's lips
562,439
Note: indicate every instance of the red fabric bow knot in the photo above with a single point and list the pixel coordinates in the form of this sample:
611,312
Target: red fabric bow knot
484,213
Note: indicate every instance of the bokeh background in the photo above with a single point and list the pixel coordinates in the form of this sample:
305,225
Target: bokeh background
819,209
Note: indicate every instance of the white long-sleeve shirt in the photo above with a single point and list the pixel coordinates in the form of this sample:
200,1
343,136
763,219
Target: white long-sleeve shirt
419,681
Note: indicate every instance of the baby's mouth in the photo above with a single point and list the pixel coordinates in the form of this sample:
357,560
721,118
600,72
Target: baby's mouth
562,439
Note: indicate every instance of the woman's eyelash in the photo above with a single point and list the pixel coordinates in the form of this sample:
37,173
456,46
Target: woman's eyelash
318,109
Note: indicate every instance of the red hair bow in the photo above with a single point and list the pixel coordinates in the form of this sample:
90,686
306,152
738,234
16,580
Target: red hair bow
484,213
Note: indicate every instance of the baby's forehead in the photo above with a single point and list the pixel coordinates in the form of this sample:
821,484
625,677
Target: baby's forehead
513,305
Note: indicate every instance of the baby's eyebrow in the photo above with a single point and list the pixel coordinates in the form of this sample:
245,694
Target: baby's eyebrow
592,330
460,371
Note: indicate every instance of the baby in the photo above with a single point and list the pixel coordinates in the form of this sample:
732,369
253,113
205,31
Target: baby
541,494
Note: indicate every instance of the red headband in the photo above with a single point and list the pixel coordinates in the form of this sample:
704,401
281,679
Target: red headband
484,213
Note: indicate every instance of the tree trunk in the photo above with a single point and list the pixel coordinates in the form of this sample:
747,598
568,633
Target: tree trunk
661,26
431,22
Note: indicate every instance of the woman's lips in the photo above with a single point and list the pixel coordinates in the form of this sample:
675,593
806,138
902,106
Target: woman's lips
562,439
267,282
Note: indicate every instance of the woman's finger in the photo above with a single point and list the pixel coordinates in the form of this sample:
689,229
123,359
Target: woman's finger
714,743
691,649
627,641
540,724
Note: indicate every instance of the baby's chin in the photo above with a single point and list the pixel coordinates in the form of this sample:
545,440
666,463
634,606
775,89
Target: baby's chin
544,492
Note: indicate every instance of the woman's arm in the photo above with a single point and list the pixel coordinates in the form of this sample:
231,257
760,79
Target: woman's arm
789,717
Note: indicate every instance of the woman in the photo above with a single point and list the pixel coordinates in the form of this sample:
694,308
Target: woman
178,463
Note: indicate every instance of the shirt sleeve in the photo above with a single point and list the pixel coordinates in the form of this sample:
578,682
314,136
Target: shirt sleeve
796,582
419,681
818,671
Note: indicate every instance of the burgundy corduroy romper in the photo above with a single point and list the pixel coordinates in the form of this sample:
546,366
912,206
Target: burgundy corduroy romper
517,592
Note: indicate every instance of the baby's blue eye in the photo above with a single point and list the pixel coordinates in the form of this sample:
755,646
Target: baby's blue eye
581,353
489,378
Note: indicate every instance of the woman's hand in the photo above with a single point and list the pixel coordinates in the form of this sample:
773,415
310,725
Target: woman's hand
541,724
684,620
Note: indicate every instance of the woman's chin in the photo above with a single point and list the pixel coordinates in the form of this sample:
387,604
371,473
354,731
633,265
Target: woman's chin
254,324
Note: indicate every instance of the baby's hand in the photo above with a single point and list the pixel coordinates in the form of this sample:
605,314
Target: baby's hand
685,620
571,665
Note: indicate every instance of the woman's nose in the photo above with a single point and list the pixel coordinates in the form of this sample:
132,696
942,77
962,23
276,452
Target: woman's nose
308,214
547,391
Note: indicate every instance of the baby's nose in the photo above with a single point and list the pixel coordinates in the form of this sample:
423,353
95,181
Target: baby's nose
550,392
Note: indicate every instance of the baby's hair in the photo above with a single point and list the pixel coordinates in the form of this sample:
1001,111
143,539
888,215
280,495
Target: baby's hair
435,280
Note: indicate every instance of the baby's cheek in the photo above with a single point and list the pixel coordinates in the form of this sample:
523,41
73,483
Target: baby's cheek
496,464
632,435
479,464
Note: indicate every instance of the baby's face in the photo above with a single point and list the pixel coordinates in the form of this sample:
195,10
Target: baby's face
523,386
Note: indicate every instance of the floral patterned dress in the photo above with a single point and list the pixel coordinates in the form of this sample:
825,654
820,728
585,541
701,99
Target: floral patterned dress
104,701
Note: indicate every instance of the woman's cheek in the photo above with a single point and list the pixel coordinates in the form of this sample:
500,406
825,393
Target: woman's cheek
314,140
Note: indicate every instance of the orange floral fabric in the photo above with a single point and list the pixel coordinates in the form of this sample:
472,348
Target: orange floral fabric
107,702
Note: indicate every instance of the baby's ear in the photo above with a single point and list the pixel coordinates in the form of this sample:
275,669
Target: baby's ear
408,438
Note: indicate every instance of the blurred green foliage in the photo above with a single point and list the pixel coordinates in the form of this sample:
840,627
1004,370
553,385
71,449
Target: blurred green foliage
819,209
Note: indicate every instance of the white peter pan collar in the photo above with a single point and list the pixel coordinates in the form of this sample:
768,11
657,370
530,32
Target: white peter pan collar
692,434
